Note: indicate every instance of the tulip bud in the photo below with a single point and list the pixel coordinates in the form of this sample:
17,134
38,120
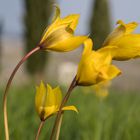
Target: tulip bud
48,101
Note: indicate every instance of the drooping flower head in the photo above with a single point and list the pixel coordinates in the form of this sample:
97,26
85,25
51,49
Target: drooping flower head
59,36
95,67
48,101
122,43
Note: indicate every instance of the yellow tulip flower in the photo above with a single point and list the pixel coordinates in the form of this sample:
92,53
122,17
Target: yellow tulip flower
95,67
48,101
122,43
59,36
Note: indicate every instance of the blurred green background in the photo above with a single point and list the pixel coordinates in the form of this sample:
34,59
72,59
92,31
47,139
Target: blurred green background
114,118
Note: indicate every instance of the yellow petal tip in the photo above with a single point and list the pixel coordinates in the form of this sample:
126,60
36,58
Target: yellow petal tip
72,108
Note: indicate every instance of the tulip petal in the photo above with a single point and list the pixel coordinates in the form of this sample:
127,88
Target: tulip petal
57,13
58,96
50,97
121,30
40,92
50,29
50,111
71,20
113,71
114,36
108,73
129,28
127,47
57,36
73,108
104,59
87,47
109,49
68,44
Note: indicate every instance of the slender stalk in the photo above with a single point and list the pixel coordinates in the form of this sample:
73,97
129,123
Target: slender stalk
8,86
39,130
59,127
55,127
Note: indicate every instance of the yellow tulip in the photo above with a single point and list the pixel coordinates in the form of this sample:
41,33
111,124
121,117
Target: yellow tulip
122,43
95,67
59,36
48,101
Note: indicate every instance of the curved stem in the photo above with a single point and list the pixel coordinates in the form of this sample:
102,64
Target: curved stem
39,129
59,127
8,86
55,127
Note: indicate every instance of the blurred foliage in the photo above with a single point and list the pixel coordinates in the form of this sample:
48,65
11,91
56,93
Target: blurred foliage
37,17
100,22
115,118
1,31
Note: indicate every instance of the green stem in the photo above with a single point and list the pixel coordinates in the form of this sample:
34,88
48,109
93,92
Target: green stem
8,86
55,127
39,130
59,127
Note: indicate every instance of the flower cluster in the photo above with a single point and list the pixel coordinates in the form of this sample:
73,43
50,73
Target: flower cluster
95,67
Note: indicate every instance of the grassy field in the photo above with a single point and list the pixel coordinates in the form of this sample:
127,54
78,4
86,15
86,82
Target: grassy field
115,118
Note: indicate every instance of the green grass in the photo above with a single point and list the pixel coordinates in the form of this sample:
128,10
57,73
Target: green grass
115,118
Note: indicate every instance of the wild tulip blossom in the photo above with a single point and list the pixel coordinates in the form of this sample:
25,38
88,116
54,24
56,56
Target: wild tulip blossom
59,36
95,67
122,43
48,100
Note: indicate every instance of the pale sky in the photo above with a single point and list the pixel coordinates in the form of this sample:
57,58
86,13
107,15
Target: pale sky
12,11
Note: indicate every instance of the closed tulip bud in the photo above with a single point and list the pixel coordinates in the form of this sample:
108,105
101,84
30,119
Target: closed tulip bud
48,101
59,36
95,67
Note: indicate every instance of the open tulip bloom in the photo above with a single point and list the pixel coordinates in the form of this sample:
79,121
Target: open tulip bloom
59,36
48,101
122,43
95,67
